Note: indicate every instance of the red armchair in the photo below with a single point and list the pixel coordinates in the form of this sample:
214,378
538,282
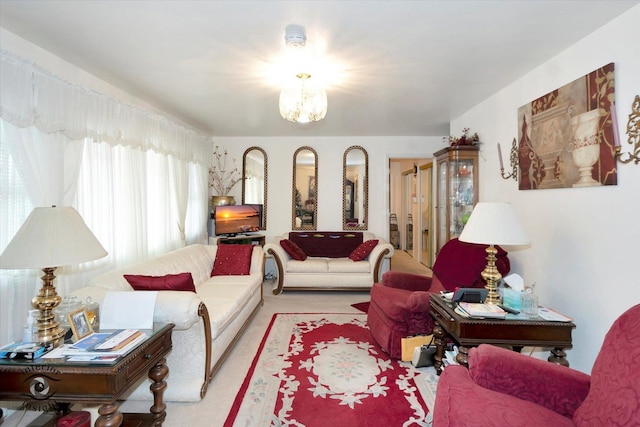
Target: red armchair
505,388
400,304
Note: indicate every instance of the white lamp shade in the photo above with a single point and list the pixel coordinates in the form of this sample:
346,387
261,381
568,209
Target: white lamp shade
51,237
494,224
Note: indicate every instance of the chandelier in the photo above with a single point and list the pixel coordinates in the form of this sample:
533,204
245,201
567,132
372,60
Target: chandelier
302,99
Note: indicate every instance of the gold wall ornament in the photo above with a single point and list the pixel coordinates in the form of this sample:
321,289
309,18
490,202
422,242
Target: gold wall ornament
633,131
513,160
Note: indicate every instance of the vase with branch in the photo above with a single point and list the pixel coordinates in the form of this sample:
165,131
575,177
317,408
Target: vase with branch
465,139
223,176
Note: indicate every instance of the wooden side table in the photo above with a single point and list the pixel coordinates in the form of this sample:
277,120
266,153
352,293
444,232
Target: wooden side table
246,239
46,383
468,332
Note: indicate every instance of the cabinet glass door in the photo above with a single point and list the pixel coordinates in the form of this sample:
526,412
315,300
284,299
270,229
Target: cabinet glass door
442,204
461,195
457,186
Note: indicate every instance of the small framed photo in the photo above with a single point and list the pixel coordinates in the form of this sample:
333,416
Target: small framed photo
80,324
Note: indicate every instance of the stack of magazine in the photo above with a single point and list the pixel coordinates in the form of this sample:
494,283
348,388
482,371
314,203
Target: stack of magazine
102,347
479,310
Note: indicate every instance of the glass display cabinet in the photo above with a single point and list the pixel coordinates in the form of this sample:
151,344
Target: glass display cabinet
457,190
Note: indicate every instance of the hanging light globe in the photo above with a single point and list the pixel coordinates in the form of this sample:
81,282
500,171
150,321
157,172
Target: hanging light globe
302,100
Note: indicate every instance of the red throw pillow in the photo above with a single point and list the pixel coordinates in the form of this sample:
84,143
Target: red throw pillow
293,250
232,260
170,282
362,252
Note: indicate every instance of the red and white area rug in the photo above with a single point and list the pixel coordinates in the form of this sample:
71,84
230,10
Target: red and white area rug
326,370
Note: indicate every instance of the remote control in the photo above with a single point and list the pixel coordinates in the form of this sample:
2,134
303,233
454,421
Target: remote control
508,309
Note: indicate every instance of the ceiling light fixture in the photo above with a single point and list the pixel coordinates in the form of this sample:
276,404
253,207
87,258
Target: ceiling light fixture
302,98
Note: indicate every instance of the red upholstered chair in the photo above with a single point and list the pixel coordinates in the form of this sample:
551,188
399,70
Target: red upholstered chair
400,304
505,388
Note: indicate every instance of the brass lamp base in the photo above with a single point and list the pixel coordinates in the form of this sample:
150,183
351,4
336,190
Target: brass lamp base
491,276
47,299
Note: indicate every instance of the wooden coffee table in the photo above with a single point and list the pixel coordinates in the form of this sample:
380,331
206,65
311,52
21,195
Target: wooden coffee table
46,384
467,332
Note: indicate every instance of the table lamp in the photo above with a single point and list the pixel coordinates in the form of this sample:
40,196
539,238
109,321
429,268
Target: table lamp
493,224
49,238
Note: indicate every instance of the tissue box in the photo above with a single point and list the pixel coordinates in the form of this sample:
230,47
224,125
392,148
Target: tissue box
511,298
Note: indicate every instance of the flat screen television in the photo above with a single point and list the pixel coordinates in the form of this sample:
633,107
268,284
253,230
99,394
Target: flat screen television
237,219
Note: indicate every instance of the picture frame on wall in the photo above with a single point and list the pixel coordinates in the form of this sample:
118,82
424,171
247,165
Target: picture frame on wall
566,137
80,324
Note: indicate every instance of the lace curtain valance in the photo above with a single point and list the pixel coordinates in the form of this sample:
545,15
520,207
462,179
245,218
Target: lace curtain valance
32,96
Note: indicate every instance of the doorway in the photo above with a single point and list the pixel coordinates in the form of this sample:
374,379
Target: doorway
410,194
426,180
408,211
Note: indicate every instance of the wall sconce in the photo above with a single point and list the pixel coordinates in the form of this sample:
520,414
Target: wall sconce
633,130
513,159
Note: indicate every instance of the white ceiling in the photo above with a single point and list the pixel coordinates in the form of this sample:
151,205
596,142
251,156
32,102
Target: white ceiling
406,67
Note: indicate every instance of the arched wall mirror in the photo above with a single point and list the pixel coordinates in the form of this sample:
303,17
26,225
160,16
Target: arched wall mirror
355,195
305,194
254,180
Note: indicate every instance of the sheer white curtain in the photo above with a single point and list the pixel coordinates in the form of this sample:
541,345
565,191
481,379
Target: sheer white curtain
45,169
17,287
197,214
136,202
137,178
31,96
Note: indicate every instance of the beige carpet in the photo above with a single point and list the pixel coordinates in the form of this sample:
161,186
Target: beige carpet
213,409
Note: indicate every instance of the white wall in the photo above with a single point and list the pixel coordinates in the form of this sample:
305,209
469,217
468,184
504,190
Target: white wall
329,185
585,246
329,182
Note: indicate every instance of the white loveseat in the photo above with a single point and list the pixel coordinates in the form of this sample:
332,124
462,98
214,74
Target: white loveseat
207,323
328,266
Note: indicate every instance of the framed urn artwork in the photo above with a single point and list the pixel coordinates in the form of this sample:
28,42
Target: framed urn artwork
566,137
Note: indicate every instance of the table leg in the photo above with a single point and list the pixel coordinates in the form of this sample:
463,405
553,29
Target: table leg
157,375
439,335
463,356
109,415
559,356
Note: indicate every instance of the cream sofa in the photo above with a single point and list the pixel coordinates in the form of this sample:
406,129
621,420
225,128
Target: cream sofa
207,323
327,266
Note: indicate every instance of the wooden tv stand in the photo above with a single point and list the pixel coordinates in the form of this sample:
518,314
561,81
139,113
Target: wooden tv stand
242,239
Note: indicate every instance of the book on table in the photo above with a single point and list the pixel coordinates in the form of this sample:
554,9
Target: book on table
100,358
550,314
109,341
101,347
24,350
484,311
